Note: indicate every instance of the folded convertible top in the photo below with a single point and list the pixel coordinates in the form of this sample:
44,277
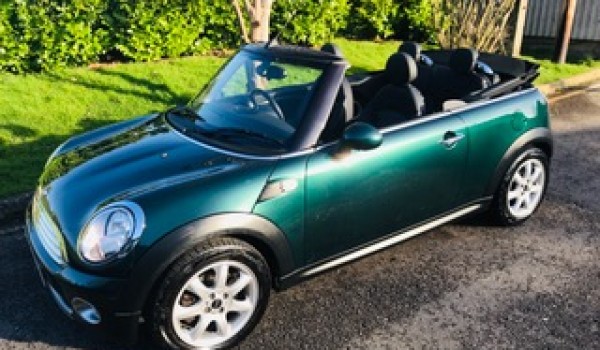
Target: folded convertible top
504,65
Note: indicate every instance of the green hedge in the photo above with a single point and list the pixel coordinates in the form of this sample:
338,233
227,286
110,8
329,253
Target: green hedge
44,34
313,21
41,35
399,19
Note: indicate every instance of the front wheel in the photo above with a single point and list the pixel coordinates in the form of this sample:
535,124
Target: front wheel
212,297
522,189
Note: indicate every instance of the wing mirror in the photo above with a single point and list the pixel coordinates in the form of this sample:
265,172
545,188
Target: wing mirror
361,136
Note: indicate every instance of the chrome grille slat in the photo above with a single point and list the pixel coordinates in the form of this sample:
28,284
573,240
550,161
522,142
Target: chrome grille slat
47,232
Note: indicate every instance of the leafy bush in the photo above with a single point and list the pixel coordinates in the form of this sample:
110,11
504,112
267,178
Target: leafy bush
13,49
221,27
153,29
60,33
374,18
415,21
400,19
38,35
314,21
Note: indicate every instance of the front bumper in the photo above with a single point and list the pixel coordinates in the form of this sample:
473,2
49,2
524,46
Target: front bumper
66,284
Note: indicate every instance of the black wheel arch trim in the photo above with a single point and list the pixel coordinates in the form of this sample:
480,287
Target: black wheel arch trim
155,262
539,136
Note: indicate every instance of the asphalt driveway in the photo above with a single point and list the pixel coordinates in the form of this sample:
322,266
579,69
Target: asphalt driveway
460,286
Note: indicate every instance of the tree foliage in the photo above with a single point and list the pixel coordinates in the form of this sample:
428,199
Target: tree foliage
383,19
41,35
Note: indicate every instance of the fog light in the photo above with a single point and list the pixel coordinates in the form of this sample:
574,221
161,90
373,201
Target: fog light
85,310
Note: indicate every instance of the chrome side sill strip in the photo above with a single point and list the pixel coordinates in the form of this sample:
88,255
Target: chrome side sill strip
390,241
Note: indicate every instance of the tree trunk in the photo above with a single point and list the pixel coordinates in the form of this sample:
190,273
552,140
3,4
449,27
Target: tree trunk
260,19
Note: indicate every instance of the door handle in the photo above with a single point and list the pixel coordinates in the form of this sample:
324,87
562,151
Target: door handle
451,138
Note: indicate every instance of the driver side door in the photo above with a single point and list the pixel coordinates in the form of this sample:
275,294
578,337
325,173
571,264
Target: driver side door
363,196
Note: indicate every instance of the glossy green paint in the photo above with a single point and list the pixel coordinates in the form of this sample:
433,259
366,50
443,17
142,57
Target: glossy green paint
307,206
492,129
361,136
353,197
287,210
175,180
342,198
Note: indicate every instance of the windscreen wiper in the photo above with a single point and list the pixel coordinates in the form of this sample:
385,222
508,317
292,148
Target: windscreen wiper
186,111
229,132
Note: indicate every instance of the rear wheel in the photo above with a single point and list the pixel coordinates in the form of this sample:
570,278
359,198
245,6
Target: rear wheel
212,297
522,189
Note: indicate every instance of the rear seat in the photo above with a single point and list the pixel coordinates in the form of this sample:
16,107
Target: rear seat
439,83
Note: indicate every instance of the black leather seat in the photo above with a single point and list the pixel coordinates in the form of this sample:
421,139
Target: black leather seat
397,101
412,49
456,80
463,63
343,107
425,69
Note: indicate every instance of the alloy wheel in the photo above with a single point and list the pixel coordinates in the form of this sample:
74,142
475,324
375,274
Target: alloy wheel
215,304
526,188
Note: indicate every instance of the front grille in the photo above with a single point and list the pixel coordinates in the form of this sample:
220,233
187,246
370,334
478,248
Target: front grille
47,231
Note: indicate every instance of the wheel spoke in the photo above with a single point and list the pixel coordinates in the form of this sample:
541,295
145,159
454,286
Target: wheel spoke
518,203
537,188
537,172
223,327
525,200
528,169
221,273
240,284
197,287
241,305
200,329
513,194
519,179
184,312
533,198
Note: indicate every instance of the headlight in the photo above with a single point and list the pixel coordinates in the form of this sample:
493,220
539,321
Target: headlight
112,232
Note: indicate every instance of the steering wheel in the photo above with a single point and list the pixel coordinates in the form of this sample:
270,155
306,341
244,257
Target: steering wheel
269,99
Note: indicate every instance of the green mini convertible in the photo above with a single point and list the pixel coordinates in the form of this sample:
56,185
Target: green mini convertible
284,166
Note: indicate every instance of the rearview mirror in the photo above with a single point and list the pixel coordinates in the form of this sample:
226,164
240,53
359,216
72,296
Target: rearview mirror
361,136
272,72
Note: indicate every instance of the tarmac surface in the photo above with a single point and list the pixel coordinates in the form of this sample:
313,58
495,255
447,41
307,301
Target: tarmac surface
461,286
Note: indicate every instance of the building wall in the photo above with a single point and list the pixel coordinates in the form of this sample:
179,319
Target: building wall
542,19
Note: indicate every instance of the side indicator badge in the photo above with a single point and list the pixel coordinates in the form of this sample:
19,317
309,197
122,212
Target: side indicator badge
277,188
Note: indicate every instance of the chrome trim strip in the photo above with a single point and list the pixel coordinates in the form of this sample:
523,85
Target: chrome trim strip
390,241
47,232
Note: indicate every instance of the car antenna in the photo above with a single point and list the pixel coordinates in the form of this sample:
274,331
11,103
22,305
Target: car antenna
274,38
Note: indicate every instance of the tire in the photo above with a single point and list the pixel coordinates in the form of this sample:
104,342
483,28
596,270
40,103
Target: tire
211,297
522,188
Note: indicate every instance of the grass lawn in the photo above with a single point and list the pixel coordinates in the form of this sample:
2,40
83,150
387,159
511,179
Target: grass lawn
39,111
550,71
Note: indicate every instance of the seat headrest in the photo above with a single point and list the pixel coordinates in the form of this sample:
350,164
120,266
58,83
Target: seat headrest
400,69
412,49
463,60
332,48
